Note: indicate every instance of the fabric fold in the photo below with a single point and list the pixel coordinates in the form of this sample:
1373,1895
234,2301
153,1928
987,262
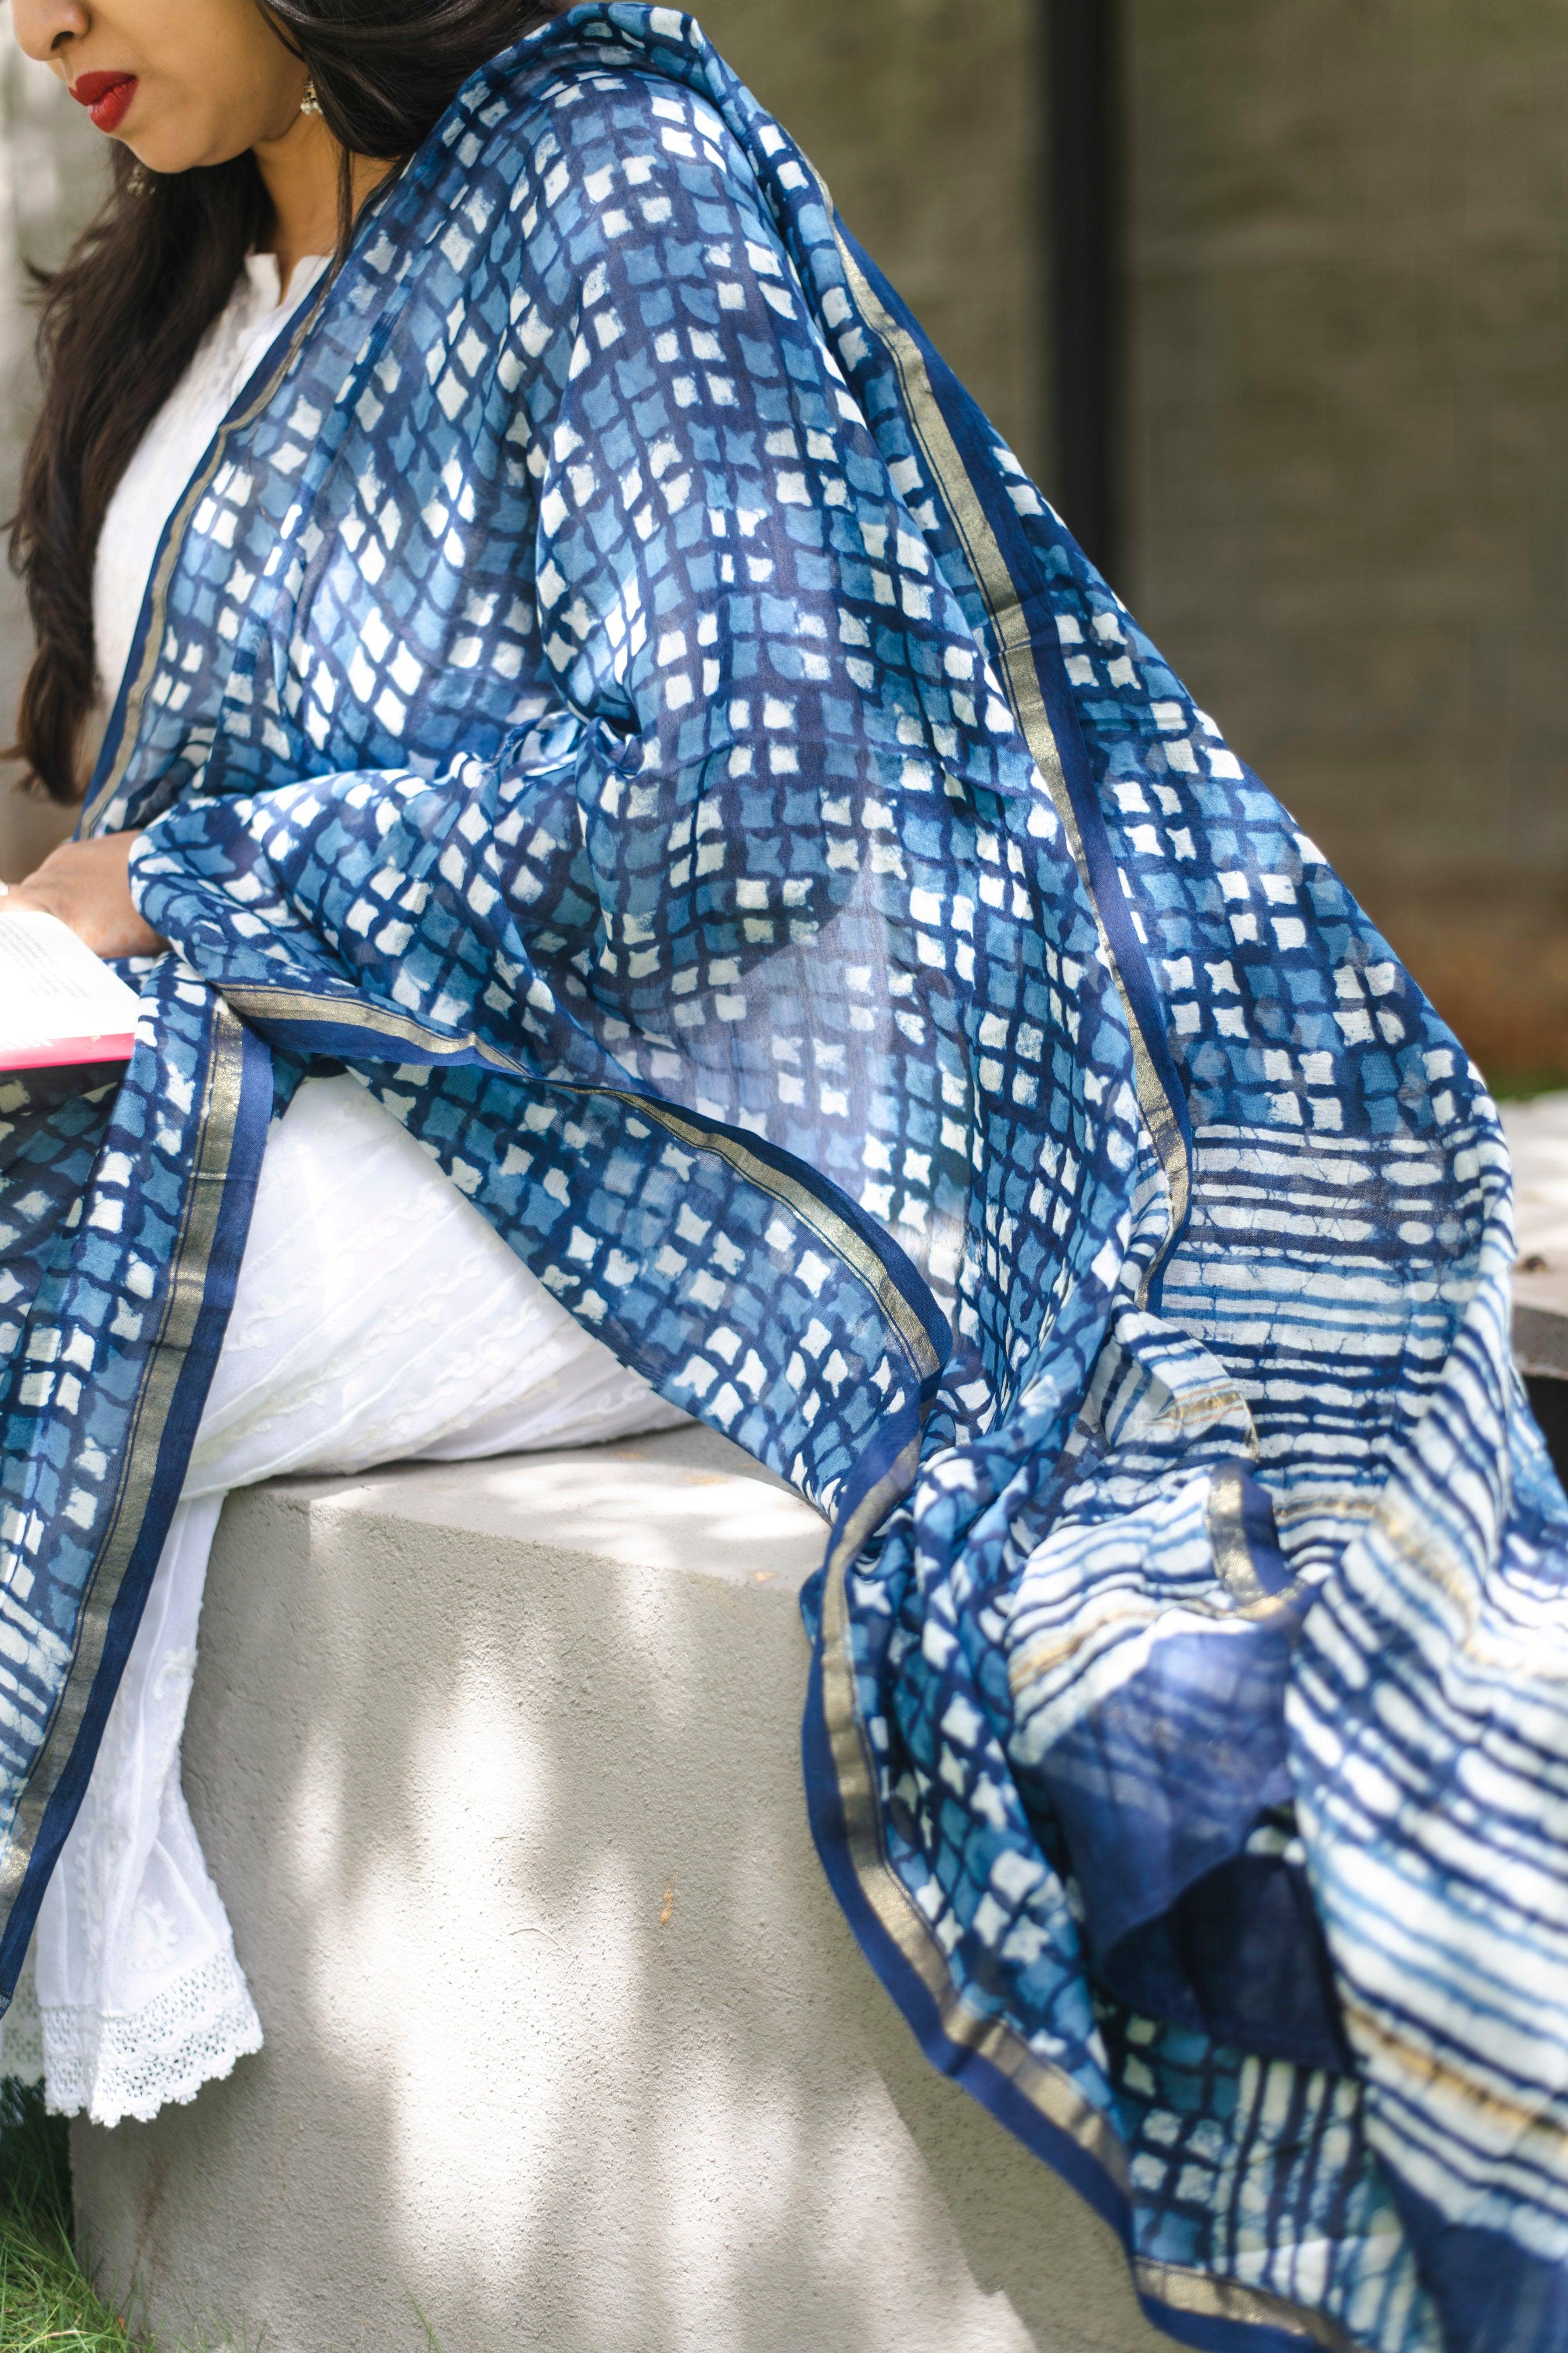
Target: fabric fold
611,689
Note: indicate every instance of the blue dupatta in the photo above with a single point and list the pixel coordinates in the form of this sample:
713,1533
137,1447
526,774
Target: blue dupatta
607,687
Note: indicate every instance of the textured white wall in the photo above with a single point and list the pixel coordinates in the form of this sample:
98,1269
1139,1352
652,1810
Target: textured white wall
498,1769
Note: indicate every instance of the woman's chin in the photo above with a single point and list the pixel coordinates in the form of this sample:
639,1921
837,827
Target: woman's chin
167,153
154,155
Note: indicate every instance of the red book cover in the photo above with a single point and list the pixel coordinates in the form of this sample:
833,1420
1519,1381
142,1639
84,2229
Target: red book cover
59,1004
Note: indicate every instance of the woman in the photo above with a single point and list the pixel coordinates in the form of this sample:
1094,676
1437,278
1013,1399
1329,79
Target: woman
377,1315
606,708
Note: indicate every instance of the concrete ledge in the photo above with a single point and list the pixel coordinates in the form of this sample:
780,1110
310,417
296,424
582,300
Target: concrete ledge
497,1767
1538,1139
1540,1334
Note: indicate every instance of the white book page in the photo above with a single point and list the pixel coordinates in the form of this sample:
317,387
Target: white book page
53,986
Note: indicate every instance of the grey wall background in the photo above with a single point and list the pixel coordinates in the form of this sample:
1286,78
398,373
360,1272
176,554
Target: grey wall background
1348,459
924,116
1345,448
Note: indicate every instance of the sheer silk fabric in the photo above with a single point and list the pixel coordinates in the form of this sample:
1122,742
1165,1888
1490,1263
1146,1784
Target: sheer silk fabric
378,1317
607,686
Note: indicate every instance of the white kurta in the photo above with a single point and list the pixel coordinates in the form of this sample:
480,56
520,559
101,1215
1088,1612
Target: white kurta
377,1317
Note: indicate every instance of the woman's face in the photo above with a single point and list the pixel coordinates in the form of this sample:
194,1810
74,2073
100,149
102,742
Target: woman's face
181,82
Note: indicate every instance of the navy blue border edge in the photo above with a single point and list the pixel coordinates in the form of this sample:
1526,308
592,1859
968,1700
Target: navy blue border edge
975,437
976,2075
253,1117
356,1043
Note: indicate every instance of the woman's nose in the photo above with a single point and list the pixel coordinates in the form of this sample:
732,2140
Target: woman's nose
46,28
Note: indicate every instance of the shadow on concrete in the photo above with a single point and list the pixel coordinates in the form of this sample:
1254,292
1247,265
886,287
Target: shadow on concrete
567,2042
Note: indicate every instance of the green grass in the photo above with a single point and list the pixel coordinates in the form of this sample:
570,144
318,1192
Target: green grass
44,2300
47,2303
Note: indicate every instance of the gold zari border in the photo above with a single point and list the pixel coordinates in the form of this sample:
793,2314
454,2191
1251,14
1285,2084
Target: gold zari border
996,586
1221,2299
1048,2089
182,1307
834,1231
157,589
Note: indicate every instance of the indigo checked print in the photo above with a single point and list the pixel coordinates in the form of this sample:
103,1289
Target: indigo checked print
607,688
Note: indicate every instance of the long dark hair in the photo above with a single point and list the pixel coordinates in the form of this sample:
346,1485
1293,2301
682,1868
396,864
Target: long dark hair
122,319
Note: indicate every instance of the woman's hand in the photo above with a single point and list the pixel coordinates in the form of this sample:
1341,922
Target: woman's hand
87,885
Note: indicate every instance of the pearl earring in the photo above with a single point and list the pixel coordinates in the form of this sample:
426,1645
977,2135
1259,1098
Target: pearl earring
309,104
138,181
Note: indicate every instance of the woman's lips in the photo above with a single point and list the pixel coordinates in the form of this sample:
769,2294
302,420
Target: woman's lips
106,96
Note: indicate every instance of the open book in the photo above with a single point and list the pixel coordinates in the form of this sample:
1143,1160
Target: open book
58,1004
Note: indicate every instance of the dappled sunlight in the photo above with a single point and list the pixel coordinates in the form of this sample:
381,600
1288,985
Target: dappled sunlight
497,1766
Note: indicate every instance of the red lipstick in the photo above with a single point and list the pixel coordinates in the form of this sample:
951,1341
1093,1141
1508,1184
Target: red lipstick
106,96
